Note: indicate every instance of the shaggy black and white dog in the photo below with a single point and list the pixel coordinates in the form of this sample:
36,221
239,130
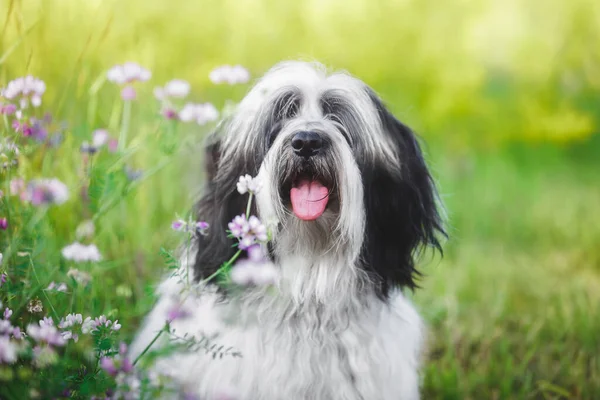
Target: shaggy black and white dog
346,188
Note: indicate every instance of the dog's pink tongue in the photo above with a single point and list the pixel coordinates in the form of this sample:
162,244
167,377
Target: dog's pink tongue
309,199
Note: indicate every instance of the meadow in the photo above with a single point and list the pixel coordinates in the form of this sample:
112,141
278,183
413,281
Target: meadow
505,96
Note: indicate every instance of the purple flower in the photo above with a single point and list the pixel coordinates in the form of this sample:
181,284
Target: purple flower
46,333
61,287
8,109
70,320
3,224
170,113
7,313
108,365
177,311
202,227
3,276
17,334
248,231
179,225
8,351
46,191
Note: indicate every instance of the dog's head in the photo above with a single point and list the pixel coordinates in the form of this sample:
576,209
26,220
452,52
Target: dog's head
341,175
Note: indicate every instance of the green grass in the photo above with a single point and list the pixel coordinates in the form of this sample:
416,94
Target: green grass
514,306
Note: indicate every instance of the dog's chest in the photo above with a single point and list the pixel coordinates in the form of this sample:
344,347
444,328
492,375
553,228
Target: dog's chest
308,356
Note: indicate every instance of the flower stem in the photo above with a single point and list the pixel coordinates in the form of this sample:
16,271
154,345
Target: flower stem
43,291
164,329
124,124
224,267
249,205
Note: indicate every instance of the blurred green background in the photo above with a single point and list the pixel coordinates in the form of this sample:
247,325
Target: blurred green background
506,95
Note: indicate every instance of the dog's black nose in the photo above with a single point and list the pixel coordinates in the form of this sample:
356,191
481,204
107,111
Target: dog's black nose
307,143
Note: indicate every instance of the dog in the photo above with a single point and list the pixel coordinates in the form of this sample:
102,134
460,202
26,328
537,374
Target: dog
336,324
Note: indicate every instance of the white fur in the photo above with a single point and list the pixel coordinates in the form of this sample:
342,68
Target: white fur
321,332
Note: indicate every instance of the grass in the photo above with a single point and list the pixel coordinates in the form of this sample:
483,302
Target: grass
513,307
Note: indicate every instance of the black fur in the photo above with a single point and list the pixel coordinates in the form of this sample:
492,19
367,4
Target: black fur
401,210
221,201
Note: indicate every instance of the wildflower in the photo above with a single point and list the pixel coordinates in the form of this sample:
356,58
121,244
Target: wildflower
3,276
128,73
119,363
100,137
70,320
248,231
70,335
256,270
17,334
17,186
229,74
61,287
3,224
7,313
45,332
82,278
8,351
81,253
170,113
179,225
85,230
177,311
200,113
250,273
113,144
26,89
176,88
46,191
5,327
7,109
88,325
202,227
35,306
246,184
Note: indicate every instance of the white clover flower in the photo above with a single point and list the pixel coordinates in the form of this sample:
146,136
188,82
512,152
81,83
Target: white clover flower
246,183
88,325
46,191
176,88
80,253
128,73
229,74
8,351
26,89
70,320
200,113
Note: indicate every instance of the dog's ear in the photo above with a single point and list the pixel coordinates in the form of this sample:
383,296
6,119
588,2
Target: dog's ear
219,204
401,205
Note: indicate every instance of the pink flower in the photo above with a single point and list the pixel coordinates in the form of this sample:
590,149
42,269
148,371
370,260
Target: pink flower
248,231
100,137
8,109
47,191
3,224
128,93
8,351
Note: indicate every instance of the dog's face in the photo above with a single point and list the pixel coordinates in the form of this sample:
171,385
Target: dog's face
340,175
